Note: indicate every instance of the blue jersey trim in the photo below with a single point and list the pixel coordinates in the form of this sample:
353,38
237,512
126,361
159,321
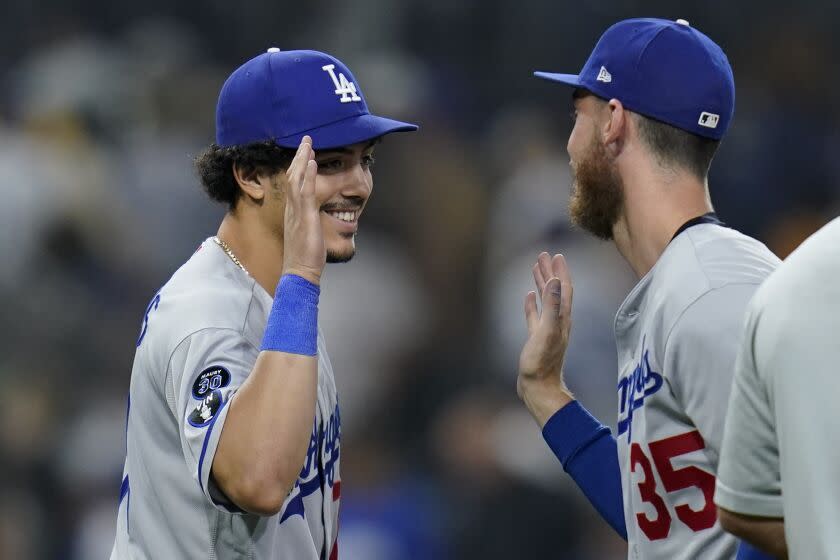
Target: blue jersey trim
123,489
207,439
125,494
295,505
589,454
155,302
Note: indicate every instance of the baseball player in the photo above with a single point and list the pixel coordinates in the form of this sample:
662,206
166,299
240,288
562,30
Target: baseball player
651,105
777,484
233,429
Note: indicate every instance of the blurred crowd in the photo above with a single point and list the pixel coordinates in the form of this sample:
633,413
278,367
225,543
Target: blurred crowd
104,105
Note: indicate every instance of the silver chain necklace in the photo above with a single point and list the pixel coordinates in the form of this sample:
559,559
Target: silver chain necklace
229,253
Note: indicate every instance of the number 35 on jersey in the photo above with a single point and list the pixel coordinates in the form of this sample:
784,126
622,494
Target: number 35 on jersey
656,522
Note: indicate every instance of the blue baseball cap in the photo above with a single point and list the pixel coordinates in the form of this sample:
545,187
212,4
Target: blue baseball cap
285,95
663,69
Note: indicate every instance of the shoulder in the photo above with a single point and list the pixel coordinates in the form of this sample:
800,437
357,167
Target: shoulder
207,293
806,268
726,256
708,262
795,295
705,278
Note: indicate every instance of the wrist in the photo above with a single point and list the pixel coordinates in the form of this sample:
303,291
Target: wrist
544,397
292,325
311,275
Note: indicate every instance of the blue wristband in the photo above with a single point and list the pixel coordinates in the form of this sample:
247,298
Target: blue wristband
292,325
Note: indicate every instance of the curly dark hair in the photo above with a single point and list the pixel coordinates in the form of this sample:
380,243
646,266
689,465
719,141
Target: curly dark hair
215,166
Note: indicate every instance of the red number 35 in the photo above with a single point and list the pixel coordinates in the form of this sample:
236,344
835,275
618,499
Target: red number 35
662,452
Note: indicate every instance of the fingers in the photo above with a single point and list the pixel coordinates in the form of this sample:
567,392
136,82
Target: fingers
544,270
544,261
539,281
297,169
561,271
307,189
551,298
532,317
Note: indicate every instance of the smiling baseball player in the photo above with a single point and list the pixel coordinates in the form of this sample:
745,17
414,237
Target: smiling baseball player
233,429
651,104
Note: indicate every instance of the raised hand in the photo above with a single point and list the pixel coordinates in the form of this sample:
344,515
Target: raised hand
304,252
540,381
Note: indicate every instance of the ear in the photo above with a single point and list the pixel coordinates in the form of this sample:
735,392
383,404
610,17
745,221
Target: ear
614,130
251,182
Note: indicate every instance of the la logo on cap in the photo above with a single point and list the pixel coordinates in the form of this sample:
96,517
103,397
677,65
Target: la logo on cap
343,87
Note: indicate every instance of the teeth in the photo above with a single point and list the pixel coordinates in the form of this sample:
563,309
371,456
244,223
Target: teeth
344,216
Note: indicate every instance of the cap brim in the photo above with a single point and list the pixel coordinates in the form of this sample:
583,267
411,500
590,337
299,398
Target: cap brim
568,79
352,130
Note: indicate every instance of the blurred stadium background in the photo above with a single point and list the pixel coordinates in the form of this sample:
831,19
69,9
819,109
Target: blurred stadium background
104,104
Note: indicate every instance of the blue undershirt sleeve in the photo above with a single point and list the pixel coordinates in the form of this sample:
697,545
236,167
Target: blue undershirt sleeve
748,552
589,455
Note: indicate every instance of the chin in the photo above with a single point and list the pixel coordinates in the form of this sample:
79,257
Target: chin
341,251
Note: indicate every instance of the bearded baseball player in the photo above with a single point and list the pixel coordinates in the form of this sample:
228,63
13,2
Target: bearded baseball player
651,105
233,425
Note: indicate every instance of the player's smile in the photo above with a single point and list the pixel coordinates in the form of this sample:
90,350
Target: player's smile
345,220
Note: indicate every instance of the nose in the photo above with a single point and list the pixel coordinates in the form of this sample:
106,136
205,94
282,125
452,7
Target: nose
358,182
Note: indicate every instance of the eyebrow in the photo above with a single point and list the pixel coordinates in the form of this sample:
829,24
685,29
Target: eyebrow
345,149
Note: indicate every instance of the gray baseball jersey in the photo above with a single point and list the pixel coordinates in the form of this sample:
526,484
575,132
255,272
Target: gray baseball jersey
199,340
781,445
677,335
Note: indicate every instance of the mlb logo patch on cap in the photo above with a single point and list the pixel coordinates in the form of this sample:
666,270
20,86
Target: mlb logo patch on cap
709,120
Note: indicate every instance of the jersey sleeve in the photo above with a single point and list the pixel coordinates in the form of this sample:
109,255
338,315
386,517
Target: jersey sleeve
204,373
700,356
798,357
748,480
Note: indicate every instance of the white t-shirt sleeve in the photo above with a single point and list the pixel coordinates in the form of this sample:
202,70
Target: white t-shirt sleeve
700,356
748,480
205,371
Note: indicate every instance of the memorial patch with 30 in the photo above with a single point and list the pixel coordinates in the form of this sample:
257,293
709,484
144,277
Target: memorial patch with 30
210,379
205,411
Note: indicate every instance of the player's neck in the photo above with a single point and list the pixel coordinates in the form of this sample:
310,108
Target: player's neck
656,205
258,249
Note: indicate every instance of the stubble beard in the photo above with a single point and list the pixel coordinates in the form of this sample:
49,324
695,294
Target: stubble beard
597,198
342,256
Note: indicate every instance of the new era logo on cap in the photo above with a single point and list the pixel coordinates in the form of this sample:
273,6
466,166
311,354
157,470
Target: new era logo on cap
709,120
604,76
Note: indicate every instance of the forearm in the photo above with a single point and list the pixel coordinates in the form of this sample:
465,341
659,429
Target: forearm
584,446
589,455
266,435
267,432
765,533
